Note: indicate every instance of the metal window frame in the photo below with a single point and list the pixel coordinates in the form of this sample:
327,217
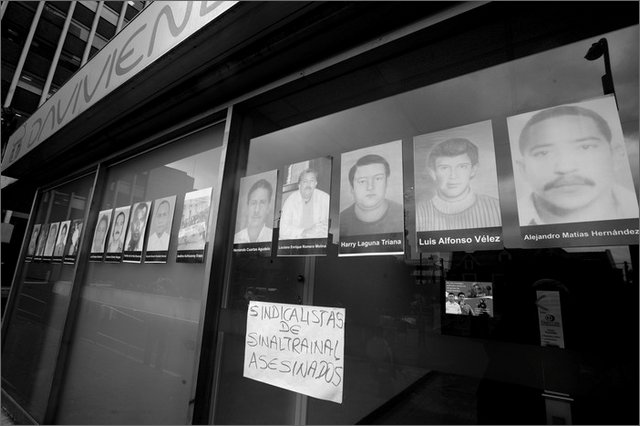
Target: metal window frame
153,142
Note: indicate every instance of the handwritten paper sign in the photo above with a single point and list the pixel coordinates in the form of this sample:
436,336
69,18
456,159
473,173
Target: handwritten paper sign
296,347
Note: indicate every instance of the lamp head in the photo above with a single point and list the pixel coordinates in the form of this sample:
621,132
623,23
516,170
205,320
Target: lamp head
596,50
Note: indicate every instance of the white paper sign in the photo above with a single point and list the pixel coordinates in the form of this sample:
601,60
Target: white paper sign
550,318
296,347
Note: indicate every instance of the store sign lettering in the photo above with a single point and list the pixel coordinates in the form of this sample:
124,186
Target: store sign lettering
158,28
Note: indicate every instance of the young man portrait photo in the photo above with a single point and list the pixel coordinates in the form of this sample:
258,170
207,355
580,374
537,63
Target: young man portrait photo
456,180
371,196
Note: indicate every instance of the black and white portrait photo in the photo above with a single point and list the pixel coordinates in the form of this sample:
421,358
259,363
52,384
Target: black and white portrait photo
570,164
134,241
74,241
161,220
305,200
371,200
42,240
100,234
51,239
33,241
118,230
254,219
61,241
456,183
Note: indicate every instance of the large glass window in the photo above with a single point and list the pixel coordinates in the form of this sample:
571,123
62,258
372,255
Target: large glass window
399,338
32,342
136,339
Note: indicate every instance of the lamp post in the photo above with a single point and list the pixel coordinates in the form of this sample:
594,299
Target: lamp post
598,49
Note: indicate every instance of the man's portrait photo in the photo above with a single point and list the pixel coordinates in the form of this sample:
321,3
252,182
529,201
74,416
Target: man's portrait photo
254,220
61,242
570,164
51,239
118,230
137,227
456,181
42,240
76,231
371,191
100,233
305,200
31,250
160,227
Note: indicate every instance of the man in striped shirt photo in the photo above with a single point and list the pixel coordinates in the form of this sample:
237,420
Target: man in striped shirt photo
452,165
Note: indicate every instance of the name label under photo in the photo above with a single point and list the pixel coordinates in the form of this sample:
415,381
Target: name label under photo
460,239
303,247
253,249
189,256
159,256
610,232
391,243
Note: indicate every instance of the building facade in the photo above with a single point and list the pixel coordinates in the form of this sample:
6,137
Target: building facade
332,213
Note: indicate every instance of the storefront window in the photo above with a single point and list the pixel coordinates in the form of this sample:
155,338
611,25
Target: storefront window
135,345
400,337
32,342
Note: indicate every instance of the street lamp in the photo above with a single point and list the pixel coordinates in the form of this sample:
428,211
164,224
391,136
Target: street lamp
596,50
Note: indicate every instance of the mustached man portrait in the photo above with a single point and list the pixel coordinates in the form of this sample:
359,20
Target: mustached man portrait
570,164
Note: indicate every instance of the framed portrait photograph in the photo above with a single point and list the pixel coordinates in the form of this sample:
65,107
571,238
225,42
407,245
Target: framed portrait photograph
372,201
159,234
134,241
456,189
572,175
61,241
304,212
51,239
100,235
255,213
115,244
74,241
33,242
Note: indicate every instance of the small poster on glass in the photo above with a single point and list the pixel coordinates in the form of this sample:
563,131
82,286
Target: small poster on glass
51,239
134,242
42,240
115,246
33,243
61,241
254,219
192,235
469,298
371,201
160,230
304,218
74,242
100,236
